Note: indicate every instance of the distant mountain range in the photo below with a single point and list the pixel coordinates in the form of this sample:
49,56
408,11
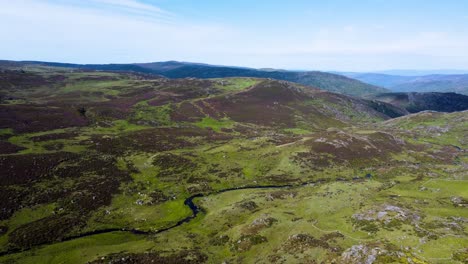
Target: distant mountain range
422,72
174,69
417,102
457,83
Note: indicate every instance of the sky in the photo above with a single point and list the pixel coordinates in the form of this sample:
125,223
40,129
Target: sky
340,35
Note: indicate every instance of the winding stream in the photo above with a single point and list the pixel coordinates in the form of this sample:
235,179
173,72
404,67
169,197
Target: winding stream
188,202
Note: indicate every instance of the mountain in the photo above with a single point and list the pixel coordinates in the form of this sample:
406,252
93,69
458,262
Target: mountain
174,69
383,80
423,72
427,83
130,167
417,102
436,83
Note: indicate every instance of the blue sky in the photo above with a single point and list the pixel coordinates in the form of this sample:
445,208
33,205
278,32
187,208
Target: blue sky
347,35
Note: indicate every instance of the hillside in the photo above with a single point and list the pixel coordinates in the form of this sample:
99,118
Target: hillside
417,102
436,83
428,83
173,69
383,80
112,167
321,80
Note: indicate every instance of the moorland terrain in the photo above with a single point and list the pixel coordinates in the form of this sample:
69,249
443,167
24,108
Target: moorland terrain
131,167
175,69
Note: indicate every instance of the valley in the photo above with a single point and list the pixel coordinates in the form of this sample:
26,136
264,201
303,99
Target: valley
102,166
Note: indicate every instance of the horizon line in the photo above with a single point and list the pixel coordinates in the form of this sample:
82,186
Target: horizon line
250,67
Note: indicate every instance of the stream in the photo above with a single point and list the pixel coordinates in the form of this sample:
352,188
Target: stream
188,202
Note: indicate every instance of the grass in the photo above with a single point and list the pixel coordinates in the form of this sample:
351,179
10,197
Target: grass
107,87
125,212
24,216
448,187
159,115
235,84
297,131
84,249
216,125
6,131
306,212
37,147
73,144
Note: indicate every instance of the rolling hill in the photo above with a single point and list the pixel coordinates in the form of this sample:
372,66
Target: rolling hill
174,69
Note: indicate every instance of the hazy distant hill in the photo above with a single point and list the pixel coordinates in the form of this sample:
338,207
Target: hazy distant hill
402,72
383,80
436,83
429,83
174,69
417,102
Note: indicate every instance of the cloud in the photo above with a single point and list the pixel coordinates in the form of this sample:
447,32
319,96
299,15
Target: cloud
111,31
133,7
51,30
128,8
130,4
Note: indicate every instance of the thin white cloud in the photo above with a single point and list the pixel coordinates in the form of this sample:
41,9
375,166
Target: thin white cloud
45,30
133,7
131,4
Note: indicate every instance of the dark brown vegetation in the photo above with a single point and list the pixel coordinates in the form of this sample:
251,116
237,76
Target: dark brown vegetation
91,183
171,164
34,118
8,148
46,230
182,257
263,104
184,89
24,169
154,140
301,242
10,79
